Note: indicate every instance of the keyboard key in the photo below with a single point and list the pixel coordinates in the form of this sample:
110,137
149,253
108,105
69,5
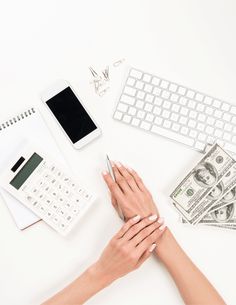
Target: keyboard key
230,147
209,110
146,78
225,107
192,123
199,97
182,90
135,122
174,97
136,74
227,117
209,130
200,146
145,125
122,107
129,91
184,110
165,94
175,127
127,99
174,117
208,100
141,114
219,124
172,135
139,104
218,133
227,136
148,88
193,133
149,117
166,114
191,104
166,104
210,120
190,94
158,101
200,107
126,118
193,114
132,111
233,109
173,87
183,120
167,123
164,84
216,103
228,127
156,91
130,81
139,85
158,121
218,114
175,108
155,81
201,117
200,126
202,137
184,130
157,110
149,98
140,94
148,107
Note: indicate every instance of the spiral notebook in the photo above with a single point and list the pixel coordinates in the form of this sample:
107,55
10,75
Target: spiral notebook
27,126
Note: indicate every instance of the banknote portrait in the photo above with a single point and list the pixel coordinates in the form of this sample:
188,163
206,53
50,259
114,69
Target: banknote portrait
216,192
231,195
205,175
224,214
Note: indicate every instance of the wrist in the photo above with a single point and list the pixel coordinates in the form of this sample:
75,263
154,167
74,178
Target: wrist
97,273
166,246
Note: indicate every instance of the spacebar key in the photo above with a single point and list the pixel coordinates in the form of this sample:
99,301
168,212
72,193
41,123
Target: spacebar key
172,135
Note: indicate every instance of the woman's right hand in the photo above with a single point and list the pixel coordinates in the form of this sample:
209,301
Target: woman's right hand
129,248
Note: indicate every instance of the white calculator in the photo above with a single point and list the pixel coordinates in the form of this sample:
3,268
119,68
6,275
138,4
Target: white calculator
42,186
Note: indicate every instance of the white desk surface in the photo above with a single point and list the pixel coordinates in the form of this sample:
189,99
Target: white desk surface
190,42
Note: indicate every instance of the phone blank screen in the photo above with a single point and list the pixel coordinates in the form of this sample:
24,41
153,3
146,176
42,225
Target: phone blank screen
71,115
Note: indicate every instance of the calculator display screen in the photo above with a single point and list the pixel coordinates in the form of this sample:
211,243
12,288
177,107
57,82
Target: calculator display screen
71,115
26,171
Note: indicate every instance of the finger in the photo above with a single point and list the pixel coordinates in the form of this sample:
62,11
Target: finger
146,255
127,226
113,186
138,180
120,180
128,177
145,232
152,238
139,227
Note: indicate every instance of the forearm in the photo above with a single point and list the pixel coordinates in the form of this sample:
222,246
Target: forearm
82,289
194,287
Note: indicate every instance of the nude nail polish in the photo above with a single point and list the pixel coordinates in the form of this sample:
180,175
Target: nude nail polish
152,217
104,173
118,164
136,218
162,227
153,246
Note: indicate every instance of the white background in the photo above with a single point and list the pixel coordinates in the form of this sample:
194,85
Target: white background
190,42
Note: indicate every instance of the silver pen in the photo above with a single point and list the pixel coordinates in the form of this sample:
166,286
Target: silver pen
110,170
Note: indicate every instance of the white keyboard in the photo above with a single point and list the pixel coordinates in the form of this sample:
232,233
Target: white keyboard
171,110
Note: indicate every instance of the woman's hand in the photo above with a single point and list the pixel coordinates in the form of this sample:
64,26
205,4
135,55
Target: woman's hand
129,248
128,193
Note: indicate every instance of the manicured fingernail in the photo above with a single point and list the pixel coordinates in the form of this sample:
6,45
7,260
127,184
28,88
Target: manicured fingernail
162,227
153,246
136,218
160,220
112,163
152,217
104,173
118,164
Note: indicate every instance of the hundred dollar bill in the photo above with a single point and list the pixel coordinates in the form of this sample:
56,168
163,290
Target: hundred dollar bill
202,178
220,195
224,217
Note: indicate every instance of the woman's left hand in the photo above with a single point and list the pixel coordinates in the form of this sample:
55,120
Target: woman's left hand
129,248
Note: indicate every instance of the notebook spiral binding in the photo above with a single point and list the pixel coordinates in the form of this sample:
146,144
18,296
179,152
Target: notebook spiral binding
17,118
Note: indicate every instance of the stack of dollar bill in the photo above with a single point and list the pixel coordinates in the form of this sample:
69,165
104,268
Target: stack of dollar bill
207,195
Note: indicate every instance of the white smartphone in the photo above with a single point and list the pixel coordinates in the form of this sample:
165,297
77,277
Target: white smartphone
71,114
